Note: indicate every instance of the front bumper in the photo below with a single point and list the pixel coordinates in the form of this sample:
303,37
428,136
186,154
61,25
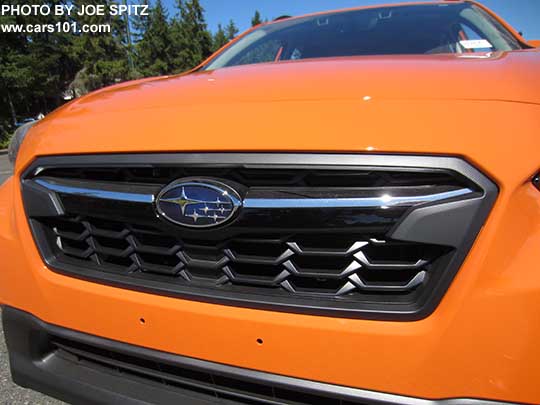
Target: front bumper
481,342
82,368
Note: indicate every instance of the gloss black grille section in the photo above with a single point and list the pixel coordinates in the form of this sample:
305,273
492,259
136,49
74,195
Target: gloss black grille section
341,267
378,237
255,177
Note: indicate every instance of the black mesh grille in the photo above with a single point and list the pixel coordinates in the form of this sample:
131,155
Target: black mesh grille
339,261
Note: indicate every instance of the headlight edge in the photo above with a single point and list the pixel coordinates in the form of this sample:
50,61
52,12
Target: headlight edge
17,141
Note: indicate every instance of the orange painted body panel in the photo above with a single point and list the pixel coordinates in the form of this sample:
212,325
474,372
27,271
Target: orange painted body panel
320,102
482,340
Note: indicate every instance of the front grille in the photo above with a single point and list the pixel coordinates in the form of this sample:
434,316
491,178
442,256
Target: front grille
335,259
332,265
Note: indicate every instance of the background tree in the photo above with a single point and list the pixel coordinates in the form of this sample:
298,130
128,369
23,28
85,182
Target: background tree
256,20
154,49
103,55
15,72
219,39
140,23
34,68
231,30
193,41
52,61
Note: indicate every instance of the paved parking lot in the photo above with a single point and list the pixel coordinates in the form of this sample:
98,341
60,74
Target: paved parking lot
5,168
10,394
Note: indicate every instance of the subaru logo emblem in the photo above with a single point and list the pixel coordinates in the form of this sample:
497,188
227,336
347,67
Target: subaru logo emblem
198,203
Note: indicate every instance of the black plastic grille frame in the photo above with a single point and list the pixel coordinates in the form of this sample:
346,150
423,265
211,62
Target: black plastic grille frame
334,261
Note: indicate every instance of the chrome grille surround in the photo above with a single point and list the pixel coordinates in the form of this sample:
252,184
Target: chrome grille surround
383,243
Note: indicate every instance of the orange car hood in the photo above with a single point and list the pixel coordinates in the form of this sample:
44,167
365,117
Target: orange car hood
324,103
494,76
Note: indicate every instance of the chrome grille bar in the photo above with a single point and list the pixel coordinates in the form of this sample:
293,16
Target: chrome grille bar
102,191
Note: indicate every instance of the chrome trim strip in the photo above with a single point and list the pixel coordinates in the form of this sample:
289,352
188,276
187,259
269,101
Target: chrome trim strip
361,257
384,201
356,246
96,193
362,285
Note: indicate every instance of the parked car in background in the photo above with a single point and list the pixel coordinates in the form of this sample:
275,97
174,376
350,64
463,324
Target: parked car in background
24,121
338,208
28,120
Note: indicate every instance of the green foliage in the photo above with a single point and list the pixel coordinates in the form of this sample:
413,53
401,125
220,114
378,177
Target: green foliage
4,139
139,23
231,30
34,68
219,39
104,55
154,50
256,20
192,40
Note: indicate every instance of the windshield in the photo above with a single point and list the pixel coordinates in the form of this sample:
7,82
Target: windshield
398,30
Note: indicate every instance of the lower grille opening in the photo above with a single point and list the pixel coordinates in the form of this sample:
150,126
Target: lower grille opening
213,385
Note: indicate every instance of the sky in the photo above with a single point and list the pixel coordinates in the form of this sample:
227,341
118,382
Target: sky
523,15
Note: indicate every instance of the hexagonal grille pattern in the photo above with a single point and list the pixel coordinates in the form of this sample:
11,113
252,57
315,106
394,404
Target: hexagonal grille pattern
333,265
